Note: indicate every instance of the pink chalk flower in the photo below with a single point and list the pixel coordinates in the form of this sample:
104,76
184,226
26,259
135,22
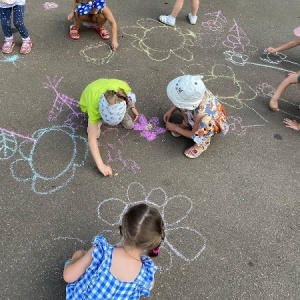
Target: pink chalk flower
50,5
149,129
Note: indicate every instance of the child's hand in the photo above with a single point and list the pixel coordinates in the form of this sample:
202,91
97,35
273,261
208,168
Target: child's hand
114,45
171,126
271,50
292,124
105,170
135,114
167,116
71,17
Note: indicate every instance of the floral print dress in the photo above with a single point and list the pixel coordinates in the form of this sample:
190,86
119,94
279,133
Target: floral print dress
213,122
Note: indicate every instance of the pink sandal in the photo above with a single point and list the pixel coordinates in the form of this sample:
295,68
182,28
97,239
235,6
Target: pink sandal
26,47
74,32
104,34
8,46
194,151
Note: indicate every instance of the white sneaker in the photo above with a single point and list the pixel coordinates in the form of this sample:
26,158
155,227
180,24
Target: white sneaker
192,19
168,20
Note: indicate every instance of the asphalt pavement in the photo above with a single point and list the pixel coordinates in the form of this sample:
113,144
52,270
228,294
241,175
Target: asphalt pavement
231,215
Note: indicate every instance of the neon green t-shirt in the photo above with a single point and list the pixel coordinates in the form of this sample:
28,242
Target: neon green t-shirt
90,97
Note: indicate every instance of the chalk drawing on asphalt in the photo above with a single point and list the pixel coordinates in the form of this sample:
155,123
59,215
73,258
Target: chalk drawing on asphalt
267,91
237,40
115,153
42,162
149,129
110,211
237,127
147,38
224,84
276,58
239,59
63,102
97,54
11,59
50,5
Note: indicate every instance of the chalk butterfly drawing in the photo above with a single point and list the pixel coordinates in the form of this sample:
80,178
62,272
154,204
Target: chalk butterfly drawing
97,54
75,118
237,40
147,38
178,236
42,162
148,129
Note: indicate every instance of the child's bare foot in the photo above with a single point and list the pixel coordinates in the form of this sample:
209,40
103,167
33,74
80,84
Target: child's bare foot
273,104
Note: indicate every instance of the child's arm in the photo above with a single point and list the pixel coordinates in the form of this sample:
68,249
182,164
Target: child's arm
78,265
286,46
168,114
110,18
185,132
135,113
93,144
72,14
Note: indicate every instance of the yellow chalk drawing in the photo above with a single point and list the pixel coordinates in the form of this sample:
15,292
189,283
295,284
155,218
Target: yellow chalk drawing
148,38
230,91
102,55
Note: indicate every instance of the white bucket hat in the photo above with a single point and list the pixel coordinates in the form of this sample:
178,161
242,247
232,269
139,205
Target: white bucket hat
186,91
112,114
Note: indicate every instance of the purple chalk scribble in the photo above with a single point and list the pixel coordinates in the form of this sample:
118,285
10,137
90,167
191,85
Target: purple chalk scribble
75,119
216,22
149,129
50,5
237,127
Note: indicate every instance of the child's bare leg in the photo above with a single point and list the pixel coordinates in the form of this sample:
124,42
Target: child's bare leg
177,8
74,29
99,19
290,79
195,7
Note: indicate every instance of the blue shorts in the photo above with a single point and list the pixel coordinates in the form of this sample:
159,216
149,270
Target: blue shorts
298,78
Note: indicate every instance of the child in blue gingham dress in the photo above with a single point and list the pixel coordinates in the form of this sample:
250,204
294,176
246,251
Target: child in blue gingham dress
110,272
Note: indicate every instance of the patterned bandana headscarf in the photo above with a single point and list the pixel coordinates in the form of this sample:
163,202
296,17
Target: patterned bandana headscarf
111,114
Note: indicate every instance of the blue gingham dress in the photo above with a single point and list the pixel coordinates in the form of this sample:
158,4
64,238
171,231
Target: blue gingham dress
98,283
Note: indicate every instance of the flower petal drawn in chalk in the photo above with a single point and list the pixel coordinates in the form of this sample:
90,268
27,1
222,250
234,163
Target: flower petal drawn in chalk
148,129
8,145
146,37
186,243
45,179
237,92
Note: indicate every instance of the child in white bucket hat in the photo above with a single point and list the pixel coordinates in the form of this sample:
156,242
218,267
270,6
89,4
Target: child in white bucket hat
107,101
203,115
